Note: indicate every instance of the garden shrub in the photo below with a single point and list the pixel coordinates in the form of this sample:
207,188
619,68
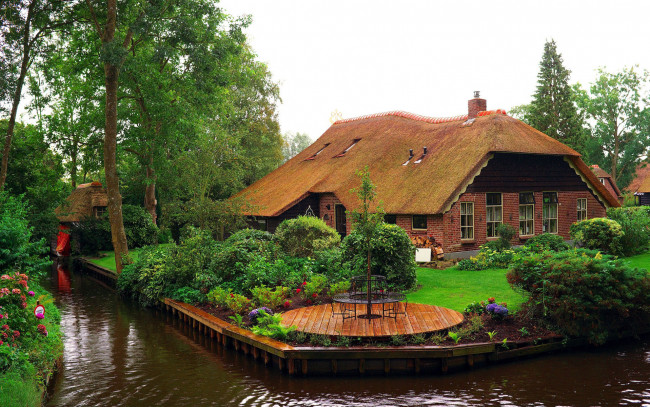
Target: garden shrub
17,250
393,255
259,312
138,226
635,223
488,258
305,235
584,293
255,241
239,304
150,276
289,271
314,287
219,297
506,233
338,288
91,236
546,242
263,296
599,234
271,325
330,263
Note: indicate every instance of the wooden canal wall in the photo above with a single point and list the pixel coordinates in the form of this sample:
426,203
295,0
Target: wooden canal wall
354,360
305,361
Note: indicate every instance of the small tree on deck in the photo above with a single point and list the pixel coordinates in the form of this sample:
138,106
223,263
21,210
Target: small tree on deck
367,222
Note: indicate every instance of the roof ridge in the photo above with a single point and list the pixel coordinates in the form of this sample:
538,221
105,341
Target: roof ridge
412,116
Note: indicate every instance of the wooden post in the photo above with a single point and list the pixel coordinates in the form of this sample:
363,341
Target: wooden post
305,364
266,358
291,366
334,366
416,364
470,360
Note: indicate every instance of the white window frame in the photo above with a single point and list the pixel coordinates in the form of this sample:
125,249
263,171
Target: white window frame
580,210
526,219
488,209
545,214
465,216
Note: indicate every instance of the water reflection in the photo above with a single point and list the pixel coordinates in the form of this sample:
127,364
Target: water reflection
118,354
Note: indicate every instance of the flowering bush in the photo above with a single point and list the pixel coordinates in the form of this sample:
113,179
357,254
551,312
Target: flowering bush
312,289
238,303
259,312
491,307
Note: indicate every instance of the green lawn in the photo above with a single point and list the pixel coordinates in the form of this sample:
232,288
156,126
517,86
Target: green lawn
640,260
455,289
107,260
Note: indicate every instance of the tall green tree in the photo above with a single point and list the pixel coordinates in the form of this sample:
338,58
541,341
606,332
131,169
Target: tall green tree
25,26
294,143
552,110
618,116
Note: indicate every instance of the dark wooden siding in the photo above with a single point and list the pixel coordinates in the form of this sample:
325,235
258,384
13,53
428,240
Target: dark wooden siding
527,172
298,209
644,199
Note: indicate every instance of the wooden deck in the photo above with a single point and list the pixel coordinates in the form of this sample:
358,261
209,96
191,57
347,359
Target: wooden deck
419,318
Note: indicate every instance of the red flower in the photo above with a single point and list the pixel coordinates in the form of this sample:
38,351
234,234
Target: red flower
304,283
232,295
308,302
297,290
491,300
314,295
287,304
5,326
16,334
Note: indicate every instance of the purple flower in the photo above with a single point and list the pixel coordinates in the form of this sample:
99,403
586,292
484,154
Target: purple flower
491,307
501,310
31,293
40,316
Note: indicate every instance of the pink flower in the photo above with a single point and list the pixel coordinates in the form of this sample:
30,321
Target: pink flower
31,293
1,316
5,326
42,329
16,291
16,334
40,316
6,277
23,305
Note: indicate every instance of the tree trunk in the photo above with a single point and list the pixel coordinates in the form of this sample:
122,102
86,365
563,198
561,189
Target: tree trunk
17,94
111,75
150,192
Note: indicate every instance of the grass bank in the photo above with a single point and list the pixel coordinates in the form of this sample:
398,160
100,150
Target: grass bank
452,288
640,260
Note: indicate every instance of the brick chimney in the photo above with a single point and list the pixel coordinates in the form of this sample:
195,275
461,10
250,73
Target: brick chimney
475,105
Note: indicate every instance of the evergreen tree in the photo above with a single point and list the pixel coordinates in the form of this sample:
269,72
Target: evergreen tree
552,110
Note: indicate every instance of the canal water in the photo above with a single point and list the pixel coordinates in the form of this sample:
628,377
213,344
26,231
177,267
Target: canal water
119,354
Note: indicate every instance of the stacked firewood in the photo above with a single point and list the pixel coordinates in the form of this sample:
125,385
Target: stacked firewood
429,242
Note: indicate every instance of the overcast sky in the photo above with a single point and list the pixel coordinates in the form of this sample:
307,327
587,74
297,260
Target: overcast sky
427,57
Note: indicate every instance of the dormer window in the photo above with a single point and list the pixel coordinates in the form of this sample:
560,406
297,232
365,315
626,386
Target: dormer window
424,154
318,152
354,142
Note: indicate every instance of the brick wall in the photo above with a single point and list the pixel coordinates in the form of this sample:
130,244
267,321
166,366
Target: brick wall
446,228
332,201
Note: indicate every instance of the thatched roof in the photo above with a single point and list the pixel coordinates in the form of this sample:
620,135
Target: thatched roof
600,173
641,181
80,203
457,150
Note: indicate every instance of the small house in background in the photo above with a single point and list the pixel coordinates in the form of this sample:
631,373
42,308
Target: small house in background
608,182
453,180
640,185
86,201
